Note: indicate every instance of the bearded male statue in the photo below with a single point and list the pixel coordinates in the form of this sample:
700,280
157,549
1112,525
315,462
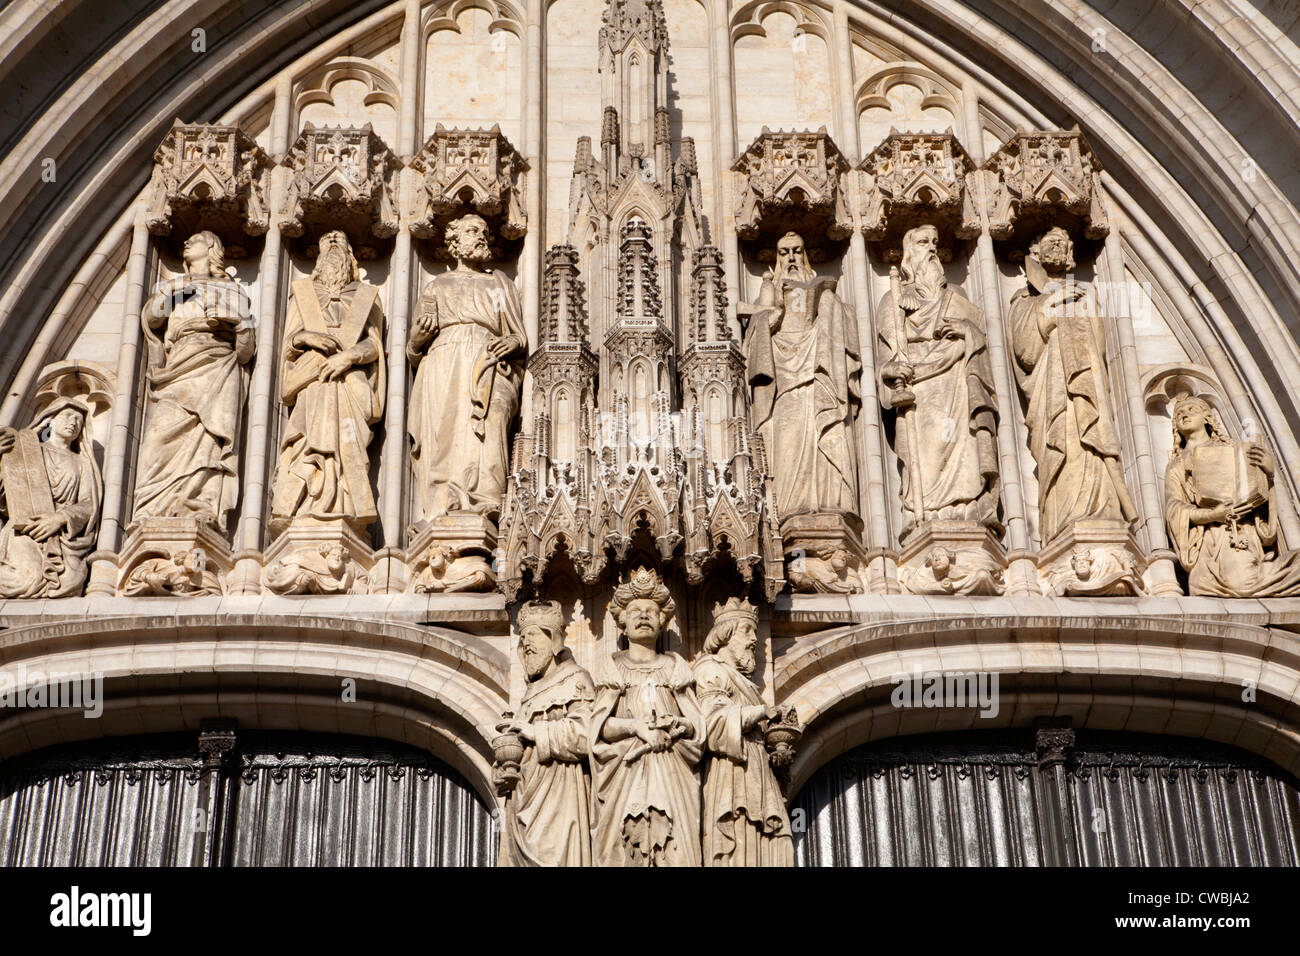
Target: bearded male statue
547,820
936,374
1060,348
332,379
801,352
468,344
745,820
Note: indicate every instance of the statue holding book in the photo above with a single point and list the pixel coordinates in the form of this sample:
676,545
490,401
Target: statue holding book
332,380
1219,510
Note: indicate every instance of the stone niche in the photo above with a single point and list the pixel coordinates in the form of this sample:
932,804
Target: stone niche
914,179
793,182
209,177
470,171
1040,179
343,177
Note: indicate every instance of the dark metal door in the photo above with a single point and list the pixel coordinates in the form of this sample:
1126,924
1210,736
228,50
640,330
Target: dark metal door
274,800
994,798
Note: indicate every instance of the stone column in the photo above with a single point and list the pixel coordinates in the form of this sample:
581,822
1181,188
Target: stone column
263,406
392,470
103,562
882,556
1159,578
724,152
1022,572
534,151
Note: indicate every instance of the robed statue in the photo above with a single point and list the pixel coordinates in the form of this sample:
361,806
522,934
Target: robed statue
195,389
547,818
745,819
647,737
468,344
50,494
1220,511
1060,348
936,375
804,366
332,380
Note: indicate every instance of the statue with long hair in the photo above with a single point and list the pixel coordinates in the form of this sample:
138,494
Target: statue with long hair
1220,512
804,366
196,385
332,378
50,493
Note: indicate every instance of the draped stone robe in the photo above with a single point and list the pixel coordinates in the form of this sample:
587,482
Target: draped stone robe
745,819
1221,562
64,481
955,415
807,393
462,400
1070,418
547,816
195,394
324,466
647,808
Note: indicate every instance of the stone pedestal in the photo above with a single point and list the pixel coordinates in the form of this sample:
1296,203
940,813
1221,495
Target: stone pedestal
952,557
171,556
455,552
316,556
823,553
1097,557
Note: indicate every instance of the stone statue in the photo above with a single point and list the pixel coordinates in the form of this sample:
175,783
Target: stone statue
936,374
159,574
1219,510
801,351
468,344
324,570
745,820
647,737
547,806
332,378
196,385
1060,349
50,491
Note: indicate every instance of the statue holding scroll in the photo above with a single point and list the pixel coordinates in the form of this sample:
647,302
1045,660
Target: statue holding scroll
50,491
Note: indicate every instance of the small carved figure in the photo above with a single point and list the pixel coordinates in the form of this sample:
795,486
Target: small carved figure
327,570
160,575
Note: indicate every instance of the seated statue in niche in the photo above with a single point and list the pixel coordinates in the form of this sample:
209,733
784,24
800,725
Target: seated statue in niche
647,737
935,372
1220,512
804,366
547,818
468,344
745,819
332,379
50,493
196,386
1060,347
